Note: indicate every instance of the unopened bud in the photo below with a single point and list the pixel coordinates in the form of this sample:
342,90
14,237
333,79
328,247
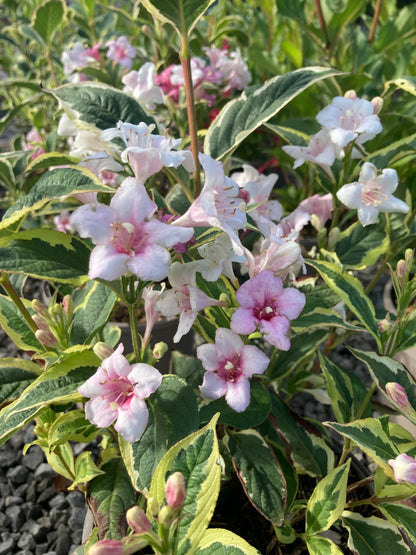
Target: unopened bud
377,103
106,547
175,490
160,349
56,311
316,222
398,394
166,516
225,300
39,308
46,338
351,94
402,273
138,521
40,322
408,257
153,506
68,306
384,325
102,350
333,238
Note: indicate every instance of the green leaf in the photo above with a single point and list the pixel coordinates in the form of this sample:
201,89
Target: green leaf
384,370
353,9
255,414
111,495
346,391
309,451
53,185
46,254
47,18
182,14
58,385
15,325
259,474
240,117
321,317
327,500
50,159
15,375
218,541
351,291
93,306
317,545
290,135
359,247
173,415
372,535
96,106
72,426
197,457
394,151
406,83
371,436
400,515
85,470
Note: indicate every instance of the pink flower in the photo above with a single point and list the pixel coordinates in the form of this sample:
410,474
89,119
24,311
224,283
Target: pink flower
164,81
349,118
147,153
229,364
117,392
184,298
175,490
280,256
142,86
320,206
404,468
218,204
106,547
150,297
127,236
267,307
320,151
62,222
121,51
372,194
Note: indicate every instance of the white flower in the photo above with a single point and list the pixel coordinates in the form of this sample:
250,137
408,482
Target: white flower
142,86
372,194
320,151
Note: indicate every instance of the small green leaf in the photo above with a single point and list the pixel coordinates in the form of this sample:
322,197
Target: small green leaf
255,413
72,426
240,117
182,14
218,541
372,535
370,435
346,391
15,325
317,545
47,18
197,457
96,106
309,451
173,415
46,254
85,470
327,500
259,474
111,495
359,247
351,291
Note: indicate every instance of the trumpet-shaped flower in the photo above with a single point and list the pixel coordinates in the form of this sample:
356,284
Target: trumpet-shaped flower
121,51
218,257
320,151
349,118
267,307
117,392
184,298
372,194
142,86
128,238
218,204
229,364
404,468
146,153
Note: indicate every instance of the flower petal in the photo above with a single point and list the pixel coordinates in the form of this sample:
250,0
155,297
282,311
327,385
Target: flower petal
146,379
213,387
107,263
238,394
132,419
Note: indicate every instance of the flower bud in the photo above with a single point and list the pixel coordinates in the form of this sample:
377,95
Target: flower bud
138,521
166,516
68,306
404,468
39,308
175,490
402,273
377,103
106,547
40,322
316,222
408,257
397,393
102,350
153,506
384,325
46,338
160,349
351,94
333,238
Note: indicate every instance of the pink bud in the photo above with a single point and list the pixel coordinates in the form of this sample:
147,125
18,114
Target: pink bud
102,350
160,349
397,393
46,338
68,306
404,468
175,490
384,325
402,272
40,322
39,308
351,94
377,103
138,521
106,547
